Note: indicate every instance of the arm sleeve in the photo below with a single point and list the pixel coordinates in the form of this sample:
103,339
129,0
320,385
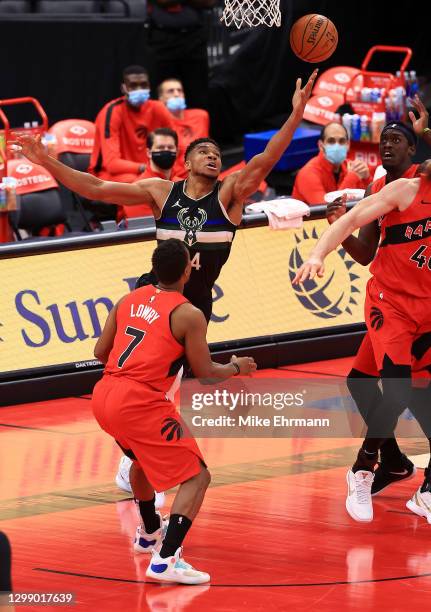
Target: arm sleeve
111,150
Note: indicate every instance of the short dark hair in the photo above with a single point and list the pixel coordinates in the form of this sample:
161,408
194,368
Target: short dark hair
170,260
197,142
160,86
161,132
134,69
322,131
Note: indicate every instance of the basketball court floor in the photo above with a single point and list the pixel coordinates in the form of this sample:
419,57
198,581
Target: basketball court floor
273,531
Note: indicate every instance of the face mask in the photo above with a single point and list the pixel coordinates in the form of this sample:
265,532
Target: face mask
138,97
176,104
164,159
335,153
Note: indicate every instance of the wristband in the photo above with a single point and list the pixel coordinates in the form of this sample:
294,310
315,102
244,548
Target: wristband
236,366
426,130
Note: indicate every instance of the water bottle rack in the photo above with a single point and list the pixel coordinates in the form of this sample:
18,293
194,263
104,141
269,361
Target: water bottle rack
381,80
7,133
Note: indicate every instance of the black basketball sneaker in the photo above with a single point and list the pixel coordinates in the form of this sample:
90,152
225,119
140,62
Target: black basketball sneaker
386,475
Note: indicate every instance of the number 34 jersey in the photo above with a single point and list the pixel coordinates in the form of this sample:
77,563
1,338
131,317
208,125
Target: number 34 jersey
144,348
403,261
205,228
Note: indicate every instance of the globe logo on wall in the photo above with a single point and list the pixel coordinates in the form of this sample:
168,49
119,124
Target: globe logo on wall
332,295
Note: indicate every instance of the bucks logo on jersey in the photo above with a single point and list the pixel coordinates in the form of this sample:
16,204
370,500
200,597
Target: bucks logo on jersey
191,223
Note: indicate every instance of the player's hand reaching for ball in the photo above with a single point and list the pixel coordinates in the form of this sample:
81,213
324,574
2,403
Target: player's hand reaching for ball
336,209
31,147
246,365
302,95
420,123
314,265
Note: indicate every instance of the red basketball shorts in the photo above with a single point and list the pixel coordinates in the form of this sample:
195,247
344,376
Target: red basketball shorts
143,421
421,363
394,322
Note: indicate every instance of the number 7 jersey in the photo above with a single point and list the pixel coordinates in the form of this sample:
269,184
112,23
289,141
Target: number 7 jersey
403,261
144,348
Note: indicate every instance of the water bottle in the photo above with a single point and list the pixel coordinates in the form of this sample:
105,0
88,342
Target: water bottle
400,98
414,85
356,127
347,123
389,109
9,185
365,129
366,94
407,83
49,141
3,202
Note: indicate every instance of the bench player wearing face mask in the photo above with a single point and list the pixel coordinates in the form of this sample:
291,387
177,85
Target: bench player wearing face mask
329,170
122,126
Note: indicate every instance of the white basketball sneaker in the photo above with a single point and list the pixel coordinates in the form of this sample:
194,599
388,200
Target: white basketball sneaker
122,477
174,569
147,542
358,503
122,480
420,502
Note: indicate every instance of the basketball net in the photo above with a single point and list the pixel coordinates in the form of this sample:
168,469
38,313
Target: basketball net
252,13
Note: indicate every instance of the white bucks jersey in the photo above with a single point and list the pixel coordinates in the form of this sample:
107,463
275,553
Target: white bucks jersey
205,228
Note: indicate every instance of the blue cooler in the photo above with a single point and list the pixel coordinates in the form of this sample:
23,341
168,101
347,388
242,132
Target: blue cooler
302,148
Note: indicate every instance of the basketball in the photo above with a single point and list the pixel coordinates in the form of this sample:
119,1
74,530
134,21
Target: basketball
313,38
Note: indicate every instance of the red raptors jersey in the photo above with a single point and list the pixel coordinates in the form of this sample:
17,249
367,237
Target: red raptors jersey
403,260
144,347
381,182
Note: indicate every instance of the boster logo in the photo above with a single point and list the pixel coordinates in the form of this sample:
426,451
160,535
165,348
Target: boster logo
171,429
332,295
325,101
24,168
342,77
78,130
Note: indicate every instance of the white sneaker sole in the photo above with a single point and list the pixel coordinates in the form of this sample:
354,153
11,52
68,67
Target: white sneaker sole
350,510
122,484
144,551
177,579
412,475
418,510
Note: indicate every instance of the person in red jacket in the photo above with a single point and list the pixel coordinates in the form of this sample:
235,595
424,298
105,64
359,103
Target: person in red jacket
122,126
329,170
162,147
190,123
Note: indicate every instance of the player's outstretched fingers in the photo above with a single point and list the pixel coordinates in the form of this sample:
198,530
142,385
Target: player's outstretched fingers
302,273
310,82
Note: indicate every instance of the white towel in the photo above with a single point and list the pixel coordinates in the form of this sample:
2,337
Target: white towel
282,213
